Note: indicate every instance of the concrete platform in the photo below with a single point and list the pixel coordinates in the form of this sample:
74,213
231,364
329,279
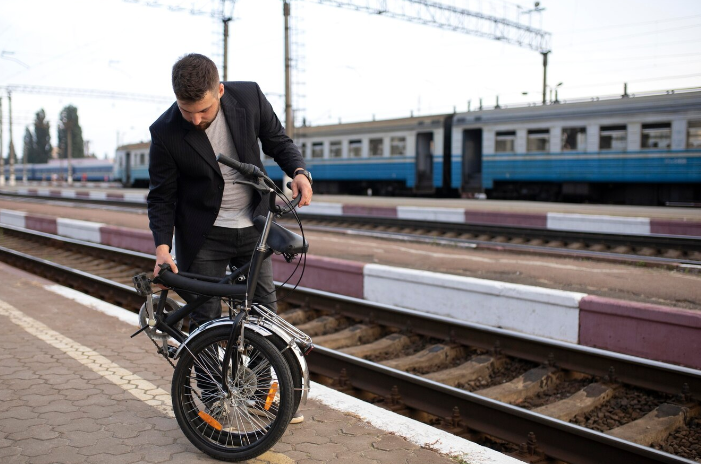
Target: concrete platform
77,389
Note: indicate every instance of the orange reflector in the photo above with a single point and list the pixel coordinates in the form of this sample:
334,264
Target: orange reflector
210,420
271,396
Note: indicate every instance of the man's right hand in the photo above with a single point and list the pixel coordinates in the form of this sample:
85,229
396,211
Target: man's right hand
163,256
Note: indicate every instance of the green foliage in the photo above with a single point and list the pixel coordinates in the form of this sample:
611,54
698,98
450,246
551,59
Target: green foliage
41,150
28,146
68,120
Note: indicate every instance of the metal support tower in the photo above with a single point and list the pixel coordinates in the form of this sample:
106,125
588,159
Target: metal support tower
218,14
289,117
12,145
226,46
2,156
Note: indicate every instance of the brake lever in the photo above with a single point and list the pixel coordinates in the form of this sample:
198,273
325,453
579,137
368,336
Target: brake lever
260,188
280,211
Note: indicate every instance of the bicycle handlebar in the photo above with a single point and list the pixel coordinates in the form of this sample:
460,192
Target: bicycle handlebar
250,170
246,169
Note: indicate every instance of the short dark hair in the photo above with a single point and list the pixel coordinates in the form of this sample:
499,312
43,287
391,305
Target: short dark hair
193,76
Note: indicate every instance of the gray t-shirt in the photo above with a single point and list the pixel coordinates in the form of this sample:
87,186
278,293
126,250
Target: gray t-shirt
236,209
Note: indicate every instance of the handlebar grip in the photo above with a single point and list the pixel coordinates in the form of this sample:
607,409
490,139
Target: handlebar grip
295,201
246,169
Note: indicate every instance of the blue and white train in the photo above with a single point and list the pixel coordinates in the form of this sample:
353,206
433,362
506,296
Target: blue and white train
82,169
643,149
131,164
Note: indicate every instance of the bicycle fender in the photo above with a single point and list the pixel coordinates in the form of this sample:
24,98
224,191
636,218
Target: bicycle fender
216,323
301,360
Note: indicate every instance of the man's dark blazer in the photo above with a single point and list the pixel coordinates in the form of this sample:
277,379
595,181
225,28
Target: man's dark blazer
186,184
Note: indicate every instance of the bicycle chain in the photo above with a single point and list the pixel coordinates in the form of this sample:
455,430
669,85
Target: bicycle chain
159,350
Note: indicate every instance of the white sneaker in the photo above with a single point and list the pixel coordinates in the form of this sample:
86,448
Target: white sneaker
297,418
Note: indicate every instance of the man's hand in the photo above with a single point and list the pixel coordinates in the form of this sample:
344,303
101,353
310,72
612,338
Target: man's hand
163,256
301,184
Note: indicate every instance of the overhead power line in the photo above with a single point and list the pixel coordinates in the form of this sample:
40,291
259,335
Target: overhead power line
217,14
89,93
454,19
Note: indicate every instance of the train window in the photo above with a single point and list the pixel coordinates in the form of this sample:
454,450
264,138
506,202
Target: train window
538,140
142,159
612,138
303,150
397,146
505,142
573,138
355,148
656,136
318,150
375,147
335,150
694,135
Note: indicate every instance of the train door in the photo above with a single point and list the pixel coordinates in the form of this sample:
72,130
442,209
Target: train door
126,172
471,161
424,162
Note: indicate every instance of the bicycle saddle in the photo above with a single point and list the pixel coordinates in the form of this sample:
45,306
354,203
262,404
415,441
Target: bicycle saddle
281,239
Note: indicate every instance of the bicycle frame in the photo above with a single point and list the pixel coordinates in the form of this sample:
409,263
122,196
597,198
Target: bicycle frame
264,324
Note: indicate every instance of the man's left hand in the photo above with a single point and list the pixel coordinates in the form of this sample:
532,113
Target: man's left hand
301,184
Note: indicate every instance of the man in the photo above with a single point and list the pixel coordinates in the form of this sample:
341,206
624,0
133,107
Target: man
191,192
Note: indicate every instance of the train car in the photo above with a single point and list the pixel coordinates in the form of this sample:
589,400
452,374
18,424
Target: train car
131,164
82,169
629,149
390,157
643,149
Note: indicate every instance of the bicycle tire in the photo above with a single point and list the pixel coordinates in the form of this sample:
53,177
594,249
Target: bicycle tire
260,407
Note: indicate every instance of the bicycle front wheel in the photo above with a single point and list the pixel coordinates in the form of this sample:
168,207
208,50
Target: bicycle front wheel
251,418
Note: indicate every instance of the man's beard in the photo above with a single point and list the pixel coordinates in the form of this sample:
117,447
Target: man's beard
204,125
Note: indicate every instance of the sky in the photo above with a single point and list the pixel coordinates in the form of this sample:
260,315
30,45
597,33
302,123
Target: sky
351,66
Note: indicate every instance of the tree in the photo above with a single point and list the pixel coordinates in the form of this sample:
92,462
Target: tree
41,151
29,147
69,120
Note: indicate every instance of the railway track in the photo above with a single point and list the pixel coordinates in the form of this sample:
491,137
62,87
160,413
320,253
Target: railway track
534,398
662,250
655,250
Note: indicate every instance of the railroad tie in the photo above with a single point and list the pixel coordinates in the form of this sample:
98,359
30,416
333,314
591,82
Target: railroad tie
586,399
352,336
656,425
322,325
479,366
387,347
432,358
529,384
298,316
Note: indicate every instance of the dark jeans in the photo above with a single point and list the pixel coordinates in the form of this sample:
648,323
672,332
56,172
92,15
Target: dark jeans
221,247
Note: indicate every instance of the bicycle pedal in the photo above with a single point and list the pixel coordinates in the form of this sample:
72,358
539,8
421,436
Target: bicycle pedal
172,350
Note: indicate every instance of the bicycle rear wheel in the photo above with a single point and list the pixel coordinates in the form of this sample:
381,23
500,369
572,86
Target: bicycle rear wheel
252,418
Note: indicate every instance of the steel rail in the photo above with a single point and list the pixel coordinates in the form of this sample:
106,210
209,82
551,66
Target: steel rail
652,240
558,439
627,369
672,263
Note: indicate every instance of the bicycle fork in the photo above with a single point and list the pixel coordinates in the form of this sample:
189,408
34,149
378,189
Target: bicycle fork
232,354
